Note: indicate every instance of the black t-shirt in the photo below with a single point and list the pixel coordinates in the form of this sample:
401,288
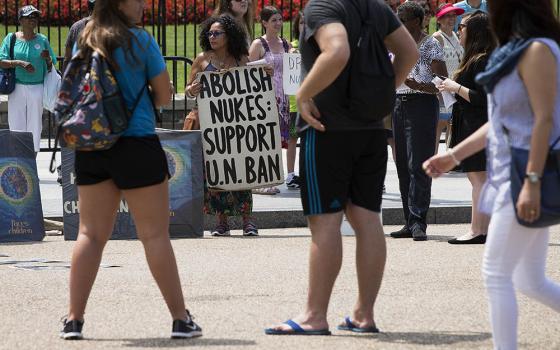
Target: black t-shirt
333,101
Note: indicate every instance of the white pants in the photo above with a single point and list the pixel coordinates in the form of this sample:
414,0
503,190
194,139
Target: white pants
515,257
25,111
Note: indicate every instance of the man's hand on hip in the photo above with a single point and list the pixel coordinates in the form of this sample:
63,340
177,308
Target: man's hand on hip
310,113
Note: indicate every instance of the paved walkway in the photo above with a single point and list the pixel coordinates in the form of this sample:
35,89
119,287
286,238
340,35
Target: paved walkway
450,192
432,296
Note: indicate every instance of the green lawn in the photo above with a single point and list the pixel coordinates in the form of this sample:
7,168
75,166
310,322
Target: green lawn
180,42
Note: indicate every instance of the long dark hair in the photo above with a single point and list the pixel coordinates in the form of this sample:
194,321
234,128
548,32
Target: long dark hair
236,42
523,19
224,7
107,30
480,42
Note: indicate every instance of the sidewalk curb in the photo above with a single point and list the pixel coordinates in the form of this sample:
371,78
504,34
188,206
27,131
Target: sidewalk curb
294,218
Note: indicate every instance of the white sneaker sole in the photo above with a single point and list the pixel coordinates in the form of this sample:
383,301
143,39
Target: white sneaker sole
181,335
217,234
72,336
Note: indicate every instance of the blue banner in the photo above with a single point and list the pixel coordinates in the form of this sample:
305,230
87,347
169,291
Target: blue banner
21,214
186,195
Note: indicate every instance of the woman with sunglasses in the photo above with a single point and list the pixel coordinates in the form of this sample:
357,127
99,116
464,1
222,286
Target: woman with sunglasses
224,46
33,57
242,10
470,111
522,79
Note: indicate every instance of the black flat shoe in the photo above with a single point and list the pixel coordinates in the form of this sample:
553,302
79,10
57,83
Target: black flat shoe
480,239
419,235
402,233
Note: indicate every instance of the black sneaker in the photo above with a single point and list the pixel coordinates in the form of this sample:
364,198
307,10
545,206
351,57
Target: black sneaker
419,234
293,183
185,328
402,233
72,330
250,229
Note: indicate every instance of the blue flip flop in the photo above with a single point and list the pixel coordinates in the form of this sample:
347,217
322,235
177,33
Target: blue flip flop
351,327
296,330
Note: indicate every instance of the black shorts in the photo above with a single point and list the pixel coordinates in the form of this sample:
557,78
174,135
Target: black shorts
339,166
133,162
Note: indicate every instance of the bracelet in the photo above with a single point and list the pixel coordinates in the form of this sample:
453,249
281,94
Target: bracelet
459,90
455,160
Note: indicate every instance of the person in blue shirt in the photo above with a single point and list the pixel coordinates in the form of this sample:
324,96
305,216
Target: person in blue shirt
33,58
469,6
134,168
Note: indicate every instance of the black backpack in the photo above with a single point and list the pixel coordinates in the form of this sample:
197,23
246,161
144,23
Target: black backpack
371,82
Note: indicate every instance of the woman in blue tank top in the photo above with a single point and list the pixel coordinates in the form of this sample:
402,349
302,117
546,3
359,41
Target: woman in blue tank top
134,168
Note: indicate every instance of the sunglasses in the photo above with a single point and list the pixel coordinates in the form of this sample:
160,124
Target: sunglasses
214,33
32,16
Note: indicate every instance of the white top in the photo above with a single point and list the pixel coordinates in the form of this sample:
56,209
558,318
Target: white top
452,52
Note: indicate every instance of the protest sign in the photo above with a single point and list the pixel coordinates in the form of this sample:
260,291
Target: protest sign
186,194
240,129
21,214
291,72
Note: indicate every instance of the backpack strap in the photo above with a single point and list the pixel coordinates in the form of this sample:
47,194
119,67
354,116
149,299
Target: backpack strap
264,44
140,94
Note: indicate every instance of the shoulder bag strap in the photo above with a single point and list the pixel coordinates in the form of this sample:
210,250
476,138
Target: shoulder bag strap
555,143
138,97
12,45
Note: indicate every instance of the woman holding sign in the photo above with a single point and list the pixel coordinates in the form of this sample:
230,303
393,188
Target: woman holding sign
470,112
224,46
272,47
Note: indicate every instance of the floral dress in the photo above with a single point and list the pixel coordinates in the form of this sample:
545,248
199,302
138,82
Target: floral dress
276,60
228,203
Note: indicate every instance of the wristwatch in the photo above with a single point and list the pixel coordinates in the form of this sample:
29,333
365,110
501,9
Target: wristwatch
533,177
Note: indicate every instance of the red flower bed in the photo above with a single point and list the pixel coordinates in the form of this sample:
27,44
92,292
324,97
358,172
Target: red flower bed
65,12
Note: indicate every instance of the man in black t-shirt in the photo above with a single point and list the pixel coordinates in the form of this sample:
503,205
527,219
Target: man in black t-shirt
342,160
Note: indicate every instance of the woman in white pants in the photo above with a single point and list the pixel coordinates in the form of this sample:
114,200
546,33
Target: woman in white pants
523,81
33,58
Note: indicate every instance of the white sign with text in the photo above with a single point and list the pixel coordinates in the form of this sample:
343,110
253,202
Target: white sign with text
291,73
240,129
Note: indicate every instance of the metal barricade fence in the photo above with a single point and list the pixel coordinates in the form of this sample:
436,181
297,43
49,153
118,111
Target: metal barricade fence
174,24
